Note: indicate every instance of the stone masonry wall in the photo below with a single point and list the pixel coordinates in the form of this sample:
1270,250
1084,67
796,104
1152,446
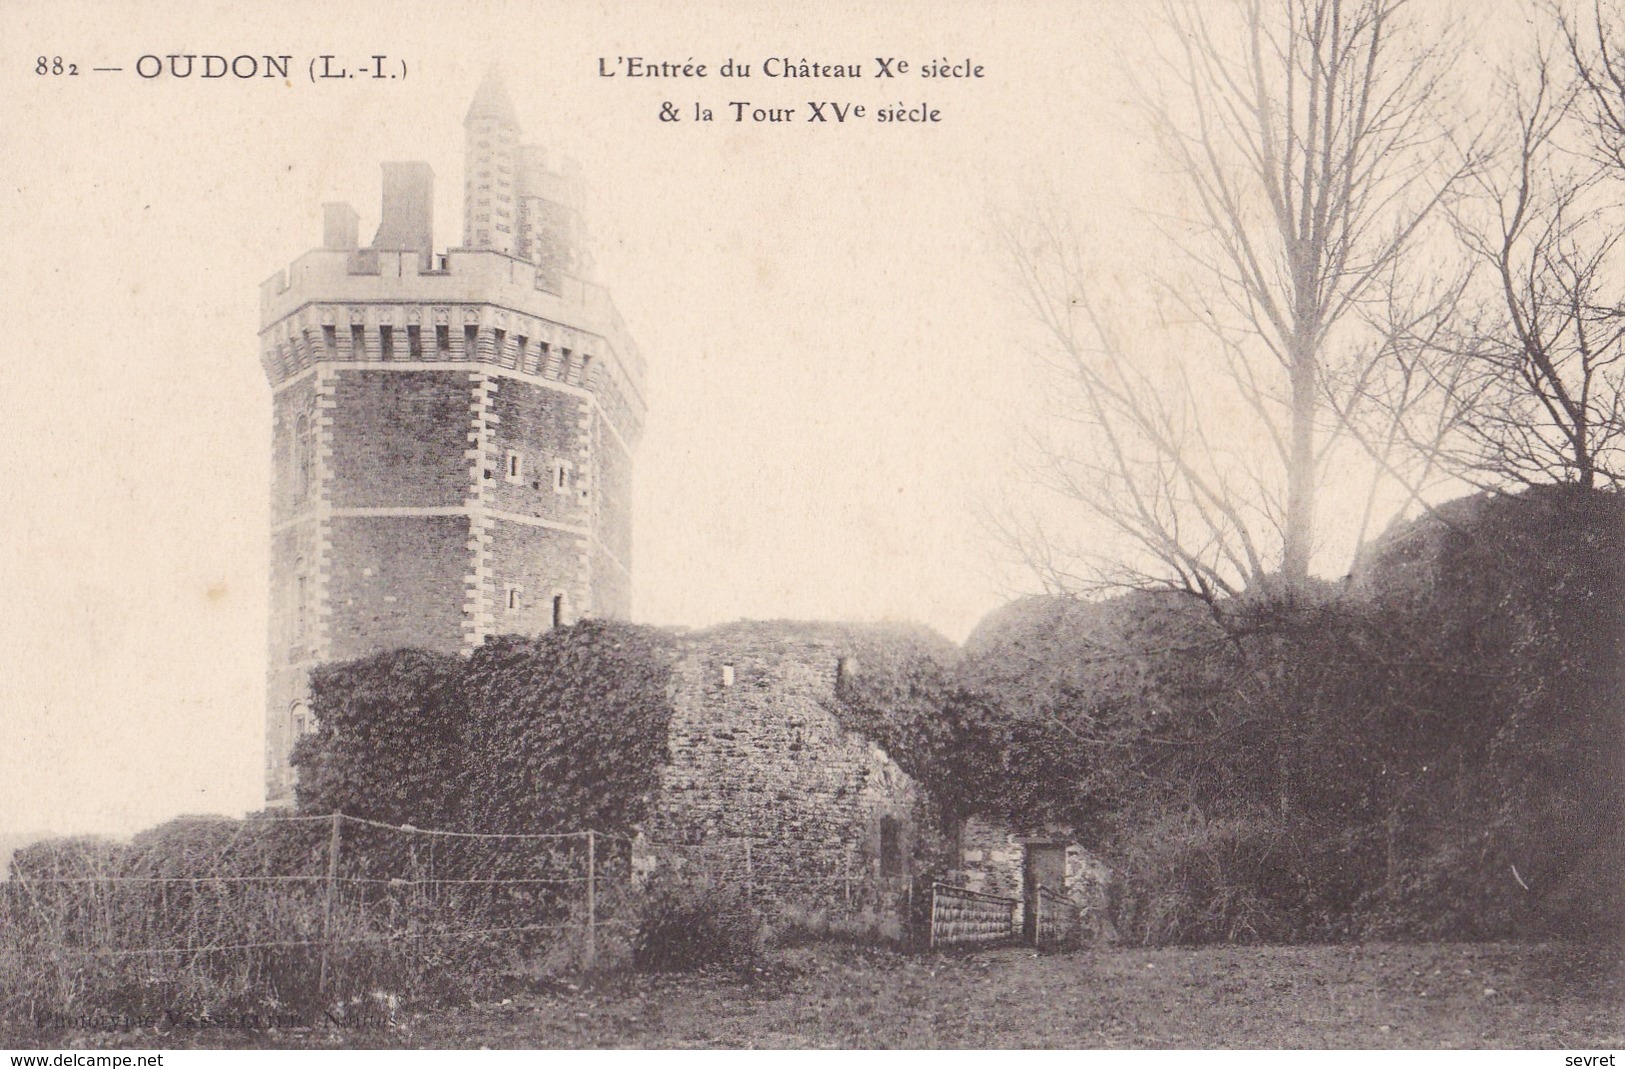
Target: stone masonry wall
396,581
399,438
535,564
537,429
293,408
761,757
612,494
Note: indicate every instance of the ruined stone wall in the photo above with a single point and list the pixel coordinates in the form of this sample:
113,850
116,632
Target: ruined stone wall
758,755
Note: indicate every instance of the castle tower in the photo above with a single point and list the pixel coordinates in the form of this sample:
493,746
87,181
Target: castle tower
491,169
452,435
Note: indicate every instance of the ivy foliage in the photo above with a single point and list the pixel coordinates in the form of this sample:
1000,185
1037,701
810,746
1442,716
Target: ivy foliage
566,730
561,732
388,740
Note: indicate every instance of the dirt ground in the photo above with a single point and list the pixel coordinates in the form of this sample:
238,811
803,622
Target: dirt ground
1382,996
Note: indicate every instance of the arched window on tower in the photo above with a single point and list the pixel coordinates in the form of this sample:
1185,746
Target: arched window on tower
300,720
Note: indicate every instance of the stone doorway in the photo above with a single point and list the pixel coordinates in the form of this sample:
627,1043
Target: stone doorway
1042,865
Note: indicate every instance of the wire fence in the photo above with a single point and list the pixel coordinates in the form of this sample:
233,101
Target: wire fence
293,910
307,911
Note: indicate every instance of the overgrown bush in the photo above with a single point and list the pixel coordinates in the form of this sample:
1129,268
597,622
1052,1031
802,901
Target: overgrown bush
564,731
567,730
1431,750
686,921
388,737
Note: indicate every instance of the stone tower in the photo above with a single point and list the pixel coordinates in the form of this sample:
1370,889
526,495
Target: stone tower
452,434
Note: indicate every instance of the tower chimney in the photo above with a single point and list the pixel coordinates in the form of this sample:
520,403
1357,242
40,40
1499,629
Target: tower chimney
341,226
407,221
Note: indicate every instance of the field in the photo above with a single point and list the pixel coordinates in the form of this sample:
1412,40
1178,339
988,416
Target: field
1376,995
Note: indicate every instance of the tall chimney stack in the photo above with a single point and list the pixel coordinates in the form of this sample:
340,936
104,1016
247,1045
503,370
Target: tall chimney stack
407,222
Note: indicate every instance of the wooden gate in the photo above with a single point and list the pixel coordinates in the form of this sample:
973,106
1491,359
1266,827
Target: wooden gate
1057,922
961,917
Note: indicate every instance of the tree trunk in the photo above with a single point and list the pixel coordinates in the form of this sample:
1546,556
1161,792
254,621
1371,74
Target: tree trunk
1297,535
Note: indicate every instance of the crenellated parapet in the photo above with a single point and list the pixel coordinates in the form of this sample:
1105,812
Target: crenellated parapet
474,307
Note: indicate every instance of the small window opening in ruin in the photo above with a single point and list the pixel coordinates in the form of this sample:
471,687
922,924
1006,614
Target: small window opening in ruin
522,352
891,847
471,340
489,475
558,610
358,339
330,339
386,342
516,466
499,339
561,476
442,338
414,342
727,675
512,597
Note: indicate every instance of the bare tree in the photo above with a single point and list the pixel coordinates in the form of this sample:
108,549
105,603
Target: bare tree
1305,135
1592,40
1553,359
1550,348
1518,382
1128,445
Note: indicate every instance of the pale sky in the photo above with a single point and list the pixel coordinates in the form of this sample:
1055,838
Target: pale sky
836,360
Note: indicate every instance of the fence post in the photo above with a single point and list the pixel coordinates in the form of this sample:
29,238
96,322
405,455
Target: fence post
327,902
592,899
846,875
931,919
1038,916
750,880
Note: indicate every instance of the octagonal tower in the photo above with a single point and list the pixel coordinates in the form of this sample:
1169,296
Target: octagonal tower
452,433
